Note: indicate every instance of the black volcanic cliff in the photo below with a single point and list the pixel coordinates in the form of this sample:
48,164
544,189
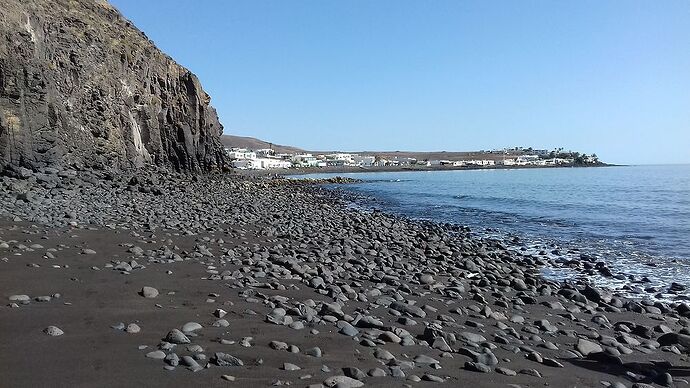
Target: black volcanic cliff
80,86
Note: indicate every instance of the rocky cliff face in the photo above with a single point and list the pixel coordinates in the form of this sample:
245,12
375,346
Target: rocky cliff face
80,86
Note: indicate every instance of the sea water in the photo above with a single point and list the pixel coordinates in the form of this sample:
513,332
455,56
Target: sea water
635,218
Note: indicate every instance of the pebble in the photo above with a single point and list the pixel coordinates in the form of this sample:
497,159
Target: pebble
133,328
156,355
190,327
290,367
53,331
342,382
177,337
148,292
19,298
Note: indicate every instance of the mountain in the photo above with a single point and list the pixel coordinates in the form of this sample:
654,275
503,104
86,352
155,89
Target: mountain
251,143
81,86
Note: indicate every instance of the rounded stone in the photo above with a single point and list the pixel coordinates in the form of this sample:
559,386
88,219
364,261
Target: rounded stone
148,292
53,331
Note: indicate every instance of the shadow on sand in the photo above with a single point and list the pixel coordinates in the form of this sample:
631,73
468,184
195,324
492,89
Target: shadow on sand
651,372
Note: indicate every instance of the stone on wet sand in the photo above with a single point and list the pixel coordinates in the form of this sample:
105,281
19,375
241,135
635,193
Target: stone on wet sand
224,359
314,352
354,372
585,347
156,354
148,292
477,367
19,298
342,382
425,360
53,331
191,363
177,337
133,328
290,367
190,327
347,329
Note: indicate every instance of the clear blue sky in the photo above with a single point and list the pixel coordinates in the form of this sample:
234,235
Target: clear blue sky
611,77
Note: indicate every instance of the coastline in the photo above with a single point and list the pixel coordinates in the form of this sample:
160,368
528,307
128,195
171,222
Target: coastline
350,170
290,263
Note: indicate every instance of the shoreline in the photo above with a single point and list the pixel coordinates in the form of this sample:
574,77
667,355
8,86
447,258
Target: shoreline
384,298
349,170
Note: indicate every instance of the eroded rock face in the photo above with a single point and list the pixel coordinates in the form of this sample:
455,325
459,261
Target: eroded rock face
80,86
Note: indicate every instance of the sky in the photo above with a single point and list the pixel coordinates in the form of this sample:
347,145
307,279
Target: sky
606,77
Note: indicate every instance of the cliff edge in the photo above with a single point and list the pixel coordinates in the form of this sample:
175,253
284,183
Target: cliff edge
81,86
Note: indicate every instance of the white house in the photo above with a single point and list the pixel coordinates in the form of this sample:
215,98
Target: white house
304,160
244,164
241,153
440,162
261,164
385,162
482,162
347,158
366,161
526,159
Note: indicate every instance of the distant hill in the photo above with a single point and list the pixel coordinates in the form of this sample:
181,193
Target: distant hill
251,143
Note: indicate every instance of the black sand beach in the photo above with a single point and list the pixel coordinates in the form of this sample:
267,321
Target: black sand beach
387,301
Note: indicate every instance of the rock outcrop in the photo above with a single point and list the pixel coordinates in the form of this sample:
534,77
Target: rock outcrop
80,86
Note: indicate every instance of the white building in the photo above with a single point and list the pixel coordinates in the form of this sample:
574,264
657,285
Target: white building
506,162
526,159
244,164
347,158
241,153
482,163
365,161
261,164
304,160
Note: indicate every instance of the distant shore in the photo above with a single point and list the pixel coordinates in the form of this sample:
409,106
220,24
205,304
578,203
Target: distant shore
349,169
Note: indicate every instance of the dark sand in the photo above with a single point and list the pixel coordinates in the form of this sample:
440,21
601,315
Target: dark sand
92,354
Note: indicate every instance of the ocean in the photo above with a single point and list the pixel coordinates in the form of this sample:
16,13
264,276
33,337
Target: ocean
635,218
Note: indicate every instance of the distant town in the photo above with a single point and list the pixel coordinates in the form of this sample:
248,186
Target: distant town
268,159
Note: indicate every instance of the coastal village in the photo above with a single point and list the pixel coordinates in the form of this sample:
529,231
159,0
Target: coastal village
268,159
